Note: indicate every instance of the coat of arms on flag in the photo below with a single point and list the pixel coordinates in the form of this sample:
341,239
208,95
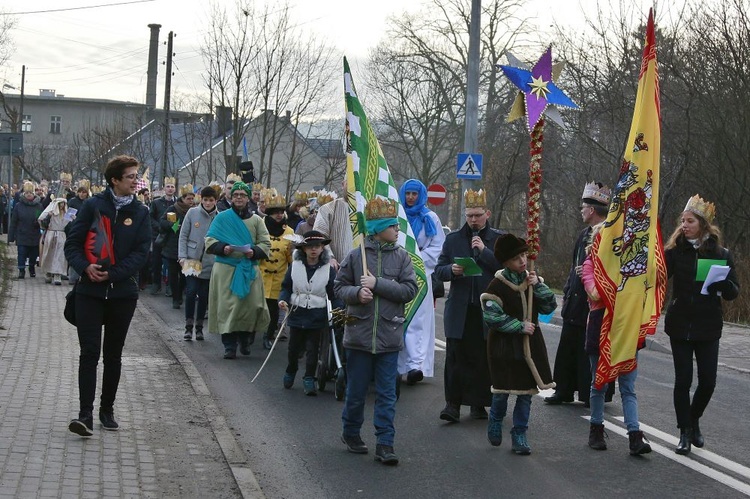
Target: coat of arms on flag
628,254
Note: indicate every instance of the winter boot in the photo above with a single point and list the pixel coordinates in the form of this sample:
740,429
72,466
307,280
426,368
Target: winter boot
596,437
697,435
21,274
199,331
520,444
686,441
495,431
188,336
638,443
83,425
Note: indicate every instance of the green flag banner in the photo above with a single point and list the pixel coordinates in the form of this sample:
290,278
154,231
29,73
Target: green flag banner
367,177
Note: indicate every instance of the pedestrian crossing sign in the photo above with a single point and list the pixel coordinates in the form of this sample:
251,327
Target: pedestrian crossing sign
469,166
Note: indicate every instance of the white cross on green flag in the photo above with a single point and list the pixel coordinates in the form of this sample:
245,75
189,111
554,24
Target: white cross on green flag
367,177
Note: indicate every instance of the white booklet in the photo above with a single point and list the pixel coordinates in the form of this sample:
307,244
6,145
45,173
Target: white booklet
715,274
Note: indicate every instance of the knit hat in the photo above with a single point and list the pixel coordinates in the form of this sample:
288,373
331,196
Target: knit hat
241,186
508,246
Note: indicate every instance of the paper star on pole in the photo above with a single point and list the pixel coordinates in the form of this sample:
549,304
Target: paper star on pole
538,92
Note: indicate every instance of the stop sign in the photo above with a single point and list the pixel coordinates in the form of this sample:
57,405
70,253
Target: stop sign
436,194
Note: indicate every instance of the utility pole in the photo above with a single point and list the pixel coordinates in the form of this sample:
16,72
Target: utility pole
472,98
167,137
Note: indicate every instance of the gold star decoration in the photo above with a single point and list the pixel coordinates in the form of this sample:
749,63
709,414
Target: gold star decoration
539,87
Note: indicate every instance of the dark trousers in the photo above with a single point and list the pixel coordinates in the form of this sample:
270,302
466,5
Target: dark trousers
30,252
230,340
467,373
156,264
176,279
273,309
4,223
572,371
706,359
304,340
93,313
196,297
144,275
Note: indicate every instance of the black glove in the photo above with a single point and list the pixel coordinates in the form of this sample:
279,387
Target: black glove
724,286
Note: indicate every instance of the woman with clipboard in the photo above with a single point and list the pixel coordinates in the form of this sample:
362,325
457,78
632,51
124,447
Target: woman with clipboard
694,318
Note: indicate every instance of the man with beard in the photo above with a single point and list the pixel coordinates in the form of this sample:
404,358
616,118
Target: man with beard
237,304
467,376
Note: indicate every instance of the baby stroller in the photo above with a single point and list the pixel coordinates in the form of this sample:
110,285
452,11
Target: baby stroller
330,359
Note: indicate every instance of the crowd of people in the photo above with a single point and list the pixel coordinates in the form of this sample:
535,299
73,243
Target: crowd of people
243,258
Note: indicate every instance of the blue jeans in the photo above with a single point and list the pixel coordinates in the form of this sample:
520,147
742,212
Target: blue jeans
627,392
30,252
521,411
360,367
196,293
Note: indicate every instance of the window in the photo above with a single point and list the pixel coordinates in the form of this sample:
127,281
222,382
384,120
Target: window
26,123
54,124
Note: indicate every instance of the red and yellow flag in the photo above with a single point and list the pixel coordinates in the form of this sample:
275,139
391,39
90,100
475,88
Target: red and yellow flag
628,254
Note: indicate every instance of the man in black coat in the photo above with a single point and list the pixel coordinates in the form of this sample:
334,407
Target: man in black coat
156,211
572,368
467,376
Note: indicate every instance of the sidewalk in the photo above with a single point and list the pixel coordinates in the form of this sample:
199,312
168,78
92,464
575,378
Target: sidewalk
167,445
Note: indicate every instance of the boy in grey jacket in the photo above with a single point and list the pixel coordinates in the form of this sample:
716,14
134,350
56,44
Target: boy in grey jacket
374,334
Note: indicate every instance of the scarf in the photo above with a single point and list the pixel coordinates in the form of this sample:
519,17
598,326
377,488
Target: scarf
379,225
276,229
121,201
229,228
419,214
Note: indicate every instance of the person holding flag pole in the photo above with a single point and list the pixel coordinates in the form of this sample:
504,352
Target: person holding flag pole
627,254
382,282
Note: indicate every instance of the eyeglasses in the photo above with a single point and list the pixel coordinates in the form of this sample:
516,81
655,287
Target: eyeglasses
239,195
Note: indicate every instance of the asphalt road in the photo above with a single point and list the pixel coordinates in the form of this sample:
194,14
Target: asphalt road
292,441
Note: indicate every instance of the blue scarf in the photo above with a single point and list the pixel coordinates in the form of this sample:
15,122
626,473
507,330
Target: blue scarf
419,214
229,228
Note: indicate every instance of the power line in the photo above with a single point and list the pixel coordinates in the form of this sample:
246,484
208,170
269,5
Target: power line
74,8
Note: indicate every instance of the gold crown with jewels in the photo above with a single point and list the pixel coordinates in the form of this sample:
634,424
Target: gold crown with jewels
702,208
257,187
66,176
475,199
170,181
186,189
379,207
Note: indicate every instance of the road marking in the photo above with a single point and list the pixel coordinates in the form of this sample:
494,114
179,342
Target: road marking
716,475
718,460
439,345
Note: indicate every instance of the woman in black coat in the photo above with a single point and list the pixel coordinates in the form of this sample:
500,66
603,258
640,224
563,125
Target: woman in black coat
169,225
694,320
107,245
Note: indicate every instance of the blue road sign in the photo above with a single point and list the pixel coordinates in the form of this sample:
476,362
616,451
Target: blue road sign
469,166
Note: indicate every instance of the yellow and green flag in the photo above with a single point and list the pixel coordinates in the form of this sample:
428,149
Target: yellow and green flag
367,177
628,254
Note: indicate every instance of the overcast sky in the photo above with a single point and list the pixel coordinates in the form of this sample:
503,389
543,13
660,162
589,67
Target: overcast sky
103,52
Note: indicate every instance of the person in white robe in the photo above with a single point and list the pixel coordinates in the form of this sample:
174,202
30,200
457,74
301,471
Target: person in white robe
52,259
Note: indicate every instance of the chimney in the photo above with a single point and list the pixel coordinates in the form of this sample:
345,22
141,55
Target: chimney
153,64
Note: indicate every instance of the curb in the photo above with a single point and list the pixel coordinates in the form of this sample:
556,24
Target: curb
233,453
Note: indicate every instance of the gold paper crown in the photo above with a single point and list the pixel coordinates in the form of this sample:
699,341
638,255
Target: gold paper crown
257,187
233,177
186,189
326,197
96,189
475,199
28,186
301,197
170,181
381,208
84,183
595,193
217,187
702,208
66,176
272,199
